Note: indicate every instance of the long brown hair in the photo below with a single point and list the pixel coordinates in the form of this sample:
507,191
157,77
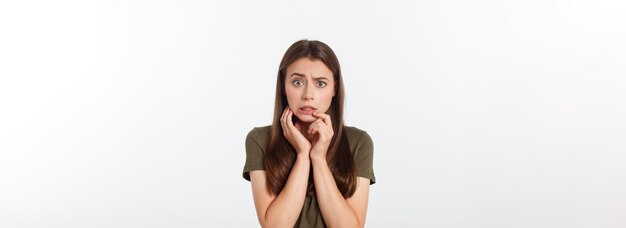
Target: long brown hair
280,155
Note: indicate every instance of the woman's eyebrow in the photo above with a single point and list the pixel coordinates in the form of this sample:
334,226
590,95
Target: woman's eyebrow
302,75
297,74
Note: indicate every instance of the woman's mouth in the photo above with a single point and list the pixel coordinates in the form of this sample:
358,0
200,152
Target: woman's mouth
307,110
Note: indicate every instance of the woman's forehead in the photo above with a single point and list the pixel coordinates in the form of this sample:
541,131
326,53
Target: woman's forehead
309,68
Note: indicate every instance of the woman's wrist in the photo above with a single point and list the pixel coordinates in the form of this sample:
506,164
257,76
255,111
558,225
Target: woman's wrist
303,156
317,158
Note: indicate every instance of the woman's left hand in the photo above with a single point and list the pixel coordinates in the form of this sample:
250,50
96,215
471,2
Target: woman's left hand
323,127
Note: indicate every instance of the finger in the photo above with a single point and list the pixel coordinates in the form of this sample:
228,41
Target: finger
317,123
290,119
316,127
308,131
283,119
282,125
324,116
289,122
313,129
320,127
284,114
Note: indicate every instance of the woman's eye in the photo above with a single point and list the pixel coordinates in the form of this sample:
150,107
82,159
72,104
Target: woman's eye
298,83
321,84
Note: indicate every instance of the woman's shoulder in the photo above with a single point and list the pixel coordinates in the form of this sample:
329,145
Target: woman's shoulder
262,129
354,131
357,135
256,140
260,133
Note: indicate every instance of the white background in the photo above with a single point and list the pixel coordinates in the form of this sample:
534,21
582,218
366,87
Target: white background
483,113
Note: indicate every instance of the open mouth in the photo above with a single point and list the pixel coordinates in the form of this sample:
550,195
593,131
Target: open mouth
307,110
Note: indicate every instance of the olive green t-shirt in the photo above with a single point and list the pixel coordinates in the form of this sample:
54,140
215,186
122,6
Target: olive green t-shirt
362,150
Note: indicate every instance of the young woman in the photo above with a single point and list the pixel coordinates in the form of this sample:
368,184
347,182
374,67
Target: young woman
307,169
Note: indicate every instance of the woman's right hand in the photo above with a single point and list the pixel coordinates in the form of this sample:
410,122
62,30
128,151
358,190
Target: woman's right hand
293,134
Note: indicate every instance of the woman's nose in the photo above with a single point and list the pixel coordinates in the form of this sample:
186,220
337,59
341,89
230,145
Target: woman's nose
308,94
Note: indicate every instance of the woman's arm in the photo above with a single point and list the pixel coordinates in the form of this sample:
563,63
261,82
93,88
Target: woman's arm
337,211
282,210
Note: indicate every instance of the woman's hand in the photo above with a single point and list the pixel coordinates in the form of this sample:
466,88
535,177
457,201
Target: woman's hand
323,127
293,134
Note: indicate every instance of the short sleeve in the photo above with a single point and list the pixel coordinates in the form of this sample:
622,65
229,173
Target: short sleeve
254,153
364,157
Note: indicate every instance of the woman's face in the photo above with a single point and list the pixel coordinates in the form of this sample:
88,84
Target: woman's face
310,87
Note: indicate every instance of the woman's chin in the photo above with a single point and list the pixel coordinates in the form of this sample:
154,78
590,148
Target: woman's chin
306,118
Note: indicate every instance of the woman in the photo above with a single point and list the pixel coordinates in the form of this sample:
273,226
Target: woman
307,169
